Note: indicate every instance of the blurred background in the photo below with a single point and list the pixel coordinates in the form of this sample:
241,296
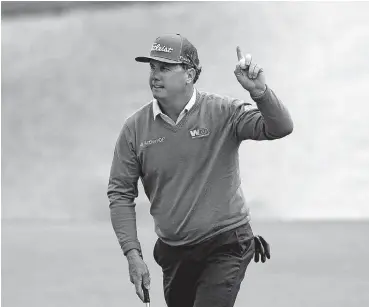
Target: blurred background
68,82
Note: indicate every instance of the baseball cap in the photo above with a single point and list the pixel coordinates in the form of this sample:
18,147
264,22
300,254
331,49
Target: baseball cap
174,49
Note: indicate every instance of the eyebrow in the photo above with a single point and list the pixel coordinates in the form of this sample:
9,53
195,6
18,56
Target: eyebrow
165,65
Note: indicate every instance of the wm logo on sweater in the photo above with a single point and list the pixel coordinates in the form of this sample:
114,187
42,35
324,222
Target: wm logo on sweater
199,133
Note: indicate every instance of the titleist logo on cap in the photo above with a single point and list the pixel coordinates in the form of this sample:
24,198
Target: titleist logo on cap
158,47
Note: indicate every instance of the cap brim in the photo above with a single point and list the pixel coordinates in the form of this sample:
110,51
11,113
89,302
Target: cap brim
144,59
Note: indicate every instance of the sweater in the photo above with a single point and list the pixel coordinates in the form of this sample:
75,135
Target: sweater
190,171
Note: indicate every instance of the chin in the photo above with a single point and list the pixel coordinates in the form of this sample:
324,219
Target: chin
158,94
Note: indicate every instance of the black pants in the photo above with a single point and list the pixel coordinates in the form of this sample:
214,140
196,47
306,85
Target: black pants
208,274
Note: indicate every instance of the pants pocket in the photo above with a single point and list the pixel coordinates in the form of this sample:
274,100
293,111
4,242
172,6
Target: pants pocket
245,237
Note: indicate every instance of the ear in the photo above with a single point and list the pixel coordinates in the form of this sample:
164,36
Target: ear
191,73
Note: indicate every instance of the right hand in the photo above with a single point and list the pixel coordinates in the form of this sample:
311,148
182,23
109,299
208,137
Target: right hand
138,272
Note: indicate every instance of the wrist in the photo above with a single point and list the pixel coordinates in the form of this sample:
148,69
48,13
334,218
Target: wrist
258,92
133,254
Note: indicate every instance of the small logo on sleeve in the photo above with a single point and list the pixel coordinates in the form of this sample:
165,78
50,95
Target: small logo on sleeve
199,133
151,142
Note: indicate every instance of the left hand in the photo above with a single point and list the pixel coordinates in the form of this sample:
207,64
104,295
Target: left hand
262,249
249,75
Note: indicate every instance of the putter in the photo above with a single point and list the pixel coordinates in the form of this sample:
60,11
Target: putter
146,296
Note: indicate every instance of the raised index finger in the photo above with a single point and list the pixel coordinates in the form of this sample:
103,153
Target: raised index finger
239,53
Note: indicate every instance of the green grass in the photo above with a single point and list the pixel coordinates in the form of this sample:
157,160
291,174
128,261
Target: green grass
80,264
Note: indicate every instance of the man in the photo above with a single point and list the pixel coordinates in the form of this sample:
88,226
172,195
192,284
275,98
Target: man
184,147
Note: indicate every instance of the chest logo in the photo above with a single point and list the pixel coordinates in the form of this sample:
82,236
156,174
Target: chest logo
199,133
151,142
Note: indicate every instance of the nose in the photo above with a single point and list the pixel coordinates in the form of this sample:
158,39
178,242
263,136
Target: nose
155,74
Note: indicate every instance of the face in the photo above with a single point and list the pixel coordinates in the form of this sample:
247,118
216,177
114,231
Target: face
167,80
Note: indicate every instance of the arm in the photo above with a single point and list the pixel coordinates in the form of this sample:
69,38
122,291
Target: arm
122,191
268,121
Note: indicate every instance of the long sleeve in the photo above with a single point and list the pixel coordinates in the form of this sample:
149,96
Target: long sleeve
122,191
268,121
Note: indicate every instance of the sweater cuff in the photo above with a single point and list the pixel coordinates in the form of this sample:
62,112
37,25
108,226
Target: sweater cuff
261,96
126,247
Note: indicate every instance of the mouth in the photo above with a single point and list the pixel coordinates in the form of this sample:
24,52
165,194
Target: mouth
157,86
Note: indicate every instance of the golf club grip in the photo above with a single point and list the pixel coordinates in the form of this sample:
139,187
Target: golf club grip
146,294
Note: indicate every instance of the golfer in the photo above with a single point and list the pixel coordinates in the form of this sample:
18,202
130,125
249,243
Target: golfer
183,145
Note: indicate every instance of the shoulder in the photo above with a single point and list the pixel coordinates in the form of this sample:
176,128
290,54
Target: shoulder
214,98
135,121
139,117
222,103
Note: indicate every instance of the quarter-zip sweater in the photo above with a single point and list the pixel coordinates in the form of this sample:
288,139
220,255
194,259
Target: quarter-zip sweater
190,171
